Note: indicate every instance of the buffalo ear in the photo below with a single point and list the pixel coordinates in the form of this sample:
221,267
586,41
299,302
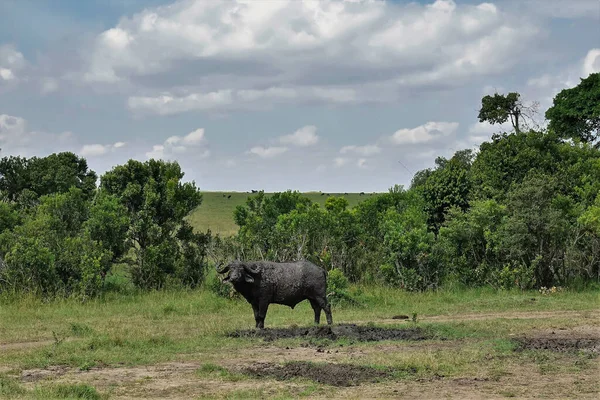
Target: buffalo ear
248,278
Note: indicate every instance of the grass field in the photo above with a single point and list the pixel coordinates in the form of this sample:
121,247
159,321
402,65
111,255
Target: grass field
477,344
216,211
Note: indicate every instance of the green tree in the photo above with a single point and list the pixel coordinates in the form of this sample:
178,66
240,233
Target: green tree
24,180
257,219
575,112
51,254
497,109
407,250
108,223
468,242
535,235
449,185
157,201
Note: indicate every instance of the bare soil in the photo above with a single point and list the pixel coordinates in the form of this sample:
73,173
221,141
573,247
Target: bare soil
275,367
330,374
583,338
334,332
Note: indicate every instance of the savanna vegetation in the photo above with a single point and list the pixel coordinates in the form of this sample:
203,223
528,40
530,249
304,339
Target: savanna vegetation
118,271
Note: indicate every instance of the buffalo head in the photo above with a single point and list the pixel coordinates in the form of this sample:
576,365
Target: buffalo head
239,272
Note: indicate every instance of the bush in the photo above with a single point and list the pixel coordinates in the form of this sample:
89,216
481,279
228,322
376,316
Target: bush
221,289
337,288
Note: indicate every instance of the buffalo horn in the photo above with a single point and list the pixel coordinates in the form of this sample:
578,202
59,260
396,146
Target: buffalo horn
222,271
252,270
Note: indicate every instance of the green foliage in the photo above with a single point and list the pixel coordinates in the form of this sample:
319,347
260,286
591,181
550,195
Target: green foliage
407,249
108,224
468,242
575,112
24,180
497,109
220,288
51,253
337,289
449,185
9,217
155,200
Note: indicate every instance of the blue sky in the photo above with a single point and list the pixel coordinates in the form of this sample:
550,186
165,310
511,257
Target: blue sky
279,94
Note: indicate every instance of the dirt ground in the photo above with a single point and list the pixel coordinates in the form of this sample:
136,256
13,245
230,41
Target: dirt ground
271,369
334,332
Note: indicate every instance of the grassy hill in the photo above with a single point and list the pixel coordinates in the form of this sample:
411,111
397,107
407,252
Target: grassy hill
216,211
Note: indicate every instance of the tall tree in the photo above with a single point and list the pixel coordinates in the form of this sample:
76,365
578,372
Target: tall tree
157,201
499,108
575,112
25,180
447,186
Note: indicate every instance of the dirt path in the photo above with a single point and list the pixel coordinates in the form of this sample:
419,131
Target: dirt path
178,380
592,315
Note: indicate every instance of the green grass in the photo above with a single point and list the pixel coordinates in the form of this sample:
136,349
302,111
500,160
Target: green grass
10,388
123,330
216,211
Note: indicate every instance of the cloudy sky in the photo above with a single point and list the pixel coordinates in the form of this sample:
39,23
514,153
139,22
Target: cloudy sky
336,95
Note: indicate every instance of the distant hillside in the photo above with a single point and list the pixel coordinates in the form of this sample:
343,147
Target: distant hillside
216,211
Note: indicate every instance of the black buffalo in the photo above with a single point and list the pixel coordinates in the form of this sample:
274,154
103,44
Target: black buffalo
263,283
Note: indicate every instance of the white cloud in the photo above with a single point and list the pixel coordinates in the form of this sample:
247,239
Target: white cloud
424,133
333,51
49,85
543,88
367,150
193,141
362,163
267,152
6,74
11,62
487,129
17,138
557,9
167,104
591,63
303,137
340,162
11,127
157,152
95,150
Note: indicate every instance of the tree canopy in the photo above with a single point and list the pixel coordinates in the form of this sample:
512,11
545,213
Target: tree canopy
575,112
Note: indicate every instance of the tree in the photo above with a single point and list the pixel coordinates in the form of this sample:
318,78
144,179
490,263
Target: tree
507,159
575,112
257,219
51,253
497,109
108,224
447,186
406,250
156,202
25,180
536,231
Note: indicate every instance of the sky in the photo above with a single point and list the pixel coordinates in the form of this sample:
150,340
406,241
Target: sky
332,95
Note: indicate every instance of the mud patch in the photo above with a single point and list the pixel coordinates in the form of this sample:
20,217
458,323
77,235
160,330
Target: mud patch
560,344
334,332
329,374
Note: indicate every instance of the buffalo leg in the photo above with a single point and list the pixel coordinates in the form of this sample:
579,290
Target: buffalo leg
325,306
255,309
317,308
262,313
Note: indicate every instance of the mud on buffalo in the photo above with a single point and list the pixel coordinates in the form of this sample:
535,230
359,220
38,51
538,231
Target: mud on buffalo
263,283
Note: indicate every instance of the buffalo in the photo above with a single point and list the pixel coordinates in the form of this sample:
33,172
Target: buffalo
262,283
